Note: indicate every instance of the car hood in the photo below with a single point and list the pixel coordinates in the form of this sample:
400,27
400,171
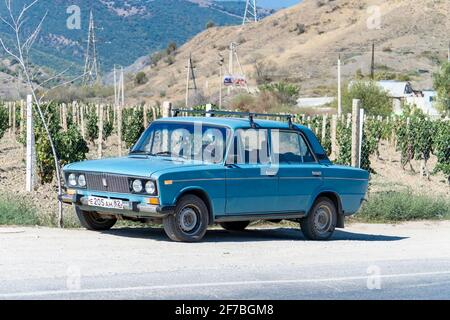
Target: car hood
141,166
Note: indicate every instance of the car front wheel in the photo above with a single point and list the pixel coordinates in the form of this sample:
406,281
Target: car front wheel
93,221
321,221
189,222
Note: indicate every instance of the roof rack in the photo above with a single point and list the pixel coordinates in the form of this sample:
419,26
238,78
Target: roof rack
250,115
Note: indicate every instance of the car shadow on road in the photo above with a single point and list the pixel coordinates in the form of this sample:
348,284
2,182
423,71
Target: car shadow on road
275,234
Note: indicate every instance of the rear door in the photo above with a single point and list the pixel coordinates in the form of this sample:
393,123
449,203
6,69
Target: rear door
299,174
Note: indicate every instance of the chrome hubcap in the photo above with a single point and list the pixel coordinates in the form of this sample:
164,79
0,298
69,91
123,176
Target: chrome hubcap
322,219
188,219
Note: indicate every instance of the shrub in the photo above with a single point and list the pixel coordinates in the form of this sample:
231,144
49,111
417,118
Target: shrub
171,48
374,99
442,147
287,93
17,212
441,83
403,206
3,120
210,24
91,124
140,78
132,125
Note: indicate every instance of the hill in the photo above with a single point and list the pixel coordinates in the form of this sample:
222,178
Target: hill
301,45
126,29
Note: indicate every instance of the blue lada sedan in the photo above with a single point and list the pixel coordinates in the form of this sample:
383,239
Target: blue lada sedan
189,173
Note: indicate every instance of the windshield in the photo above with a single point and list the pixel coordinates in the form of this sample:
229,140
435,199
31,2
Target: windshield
187,141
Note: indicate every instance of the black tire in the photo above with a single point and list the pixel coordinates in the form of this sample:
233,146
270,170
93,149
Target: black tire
189,221
93,221
235,225
321,221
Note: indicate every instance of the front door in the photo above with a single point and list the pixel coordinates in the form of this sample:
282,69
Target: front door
251,183
300,175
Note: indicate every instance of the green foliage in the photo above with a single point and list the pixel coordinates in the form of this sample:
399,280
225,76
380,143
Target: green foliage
210,24
132,125
69,145
91,124
403,206
3,120
441,82
374,99
442,146
171,48
14,211
141,78
344,138
423,131
286,93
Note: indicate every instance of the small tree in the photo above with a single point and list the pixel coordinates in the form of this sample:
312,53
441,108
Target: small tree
441,82
171,48
374,99
141,78
210,24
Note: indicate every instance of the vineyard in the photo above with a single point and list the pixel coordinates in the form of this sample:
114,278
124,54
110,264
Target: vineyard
91,131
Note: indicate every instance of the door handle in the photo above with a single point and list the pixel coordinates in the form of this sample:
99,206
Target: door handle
271,172
317,173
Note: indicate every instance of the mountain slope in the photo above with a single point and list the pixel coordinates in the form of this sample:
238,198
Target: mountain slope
126,29
301,44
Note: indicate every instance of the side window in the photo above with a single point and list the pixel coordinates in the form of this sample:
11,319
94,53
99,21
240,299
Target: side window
290,148
249,146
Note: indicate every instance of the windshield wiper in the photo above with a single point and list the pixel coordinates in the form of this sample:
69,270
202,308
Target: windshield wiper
139,152
167,153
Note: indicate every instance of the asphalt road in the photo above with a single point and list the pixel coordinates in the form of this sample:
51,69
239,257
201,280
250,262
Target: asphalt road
405,261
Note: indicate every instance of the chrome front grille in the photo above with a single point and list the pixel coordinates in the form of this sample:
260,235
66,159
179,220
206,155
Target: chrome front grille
107,182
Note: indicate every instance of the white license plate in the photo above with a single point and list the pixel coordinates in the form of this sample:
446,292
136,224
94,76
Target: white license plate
105,203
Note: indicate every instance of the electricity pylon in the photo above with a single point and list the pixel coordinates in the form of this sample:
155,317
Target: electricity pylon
91,68
251,14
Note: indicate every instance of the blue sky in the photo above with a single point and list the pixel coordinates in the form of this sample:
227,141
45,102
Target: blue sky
276,4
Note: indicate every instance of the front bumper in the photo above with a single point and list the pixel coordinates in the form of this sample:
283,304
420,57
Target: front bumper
131,208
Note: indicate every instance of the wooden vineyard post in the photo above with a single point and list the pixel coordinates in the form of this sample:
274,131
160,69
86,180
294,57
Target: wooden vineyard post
22,123
74,113
13,107
119,128
208,109
324,127
167,109
145,115
83,132
100,131
30,146
362,119
334,149
355,132
155,113
64,116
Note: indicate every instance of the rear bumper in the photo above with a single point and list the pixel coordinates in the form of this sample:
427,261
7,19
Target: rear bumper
130,208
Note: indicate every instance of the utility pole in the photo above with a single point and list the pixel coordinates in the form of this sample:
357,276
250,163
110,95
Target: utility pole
372,66
91,68
339,87
234,55
251,12
190,75
221,62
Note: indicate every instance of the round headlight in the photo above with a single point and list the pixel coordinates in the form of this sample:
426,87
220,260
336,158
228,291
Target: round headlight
137,186
72,180
150,187
82,180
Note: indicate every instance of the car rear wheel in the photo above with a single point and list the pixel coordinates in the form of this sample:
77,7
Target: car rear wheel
189,221
235,225
321,221
93,221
